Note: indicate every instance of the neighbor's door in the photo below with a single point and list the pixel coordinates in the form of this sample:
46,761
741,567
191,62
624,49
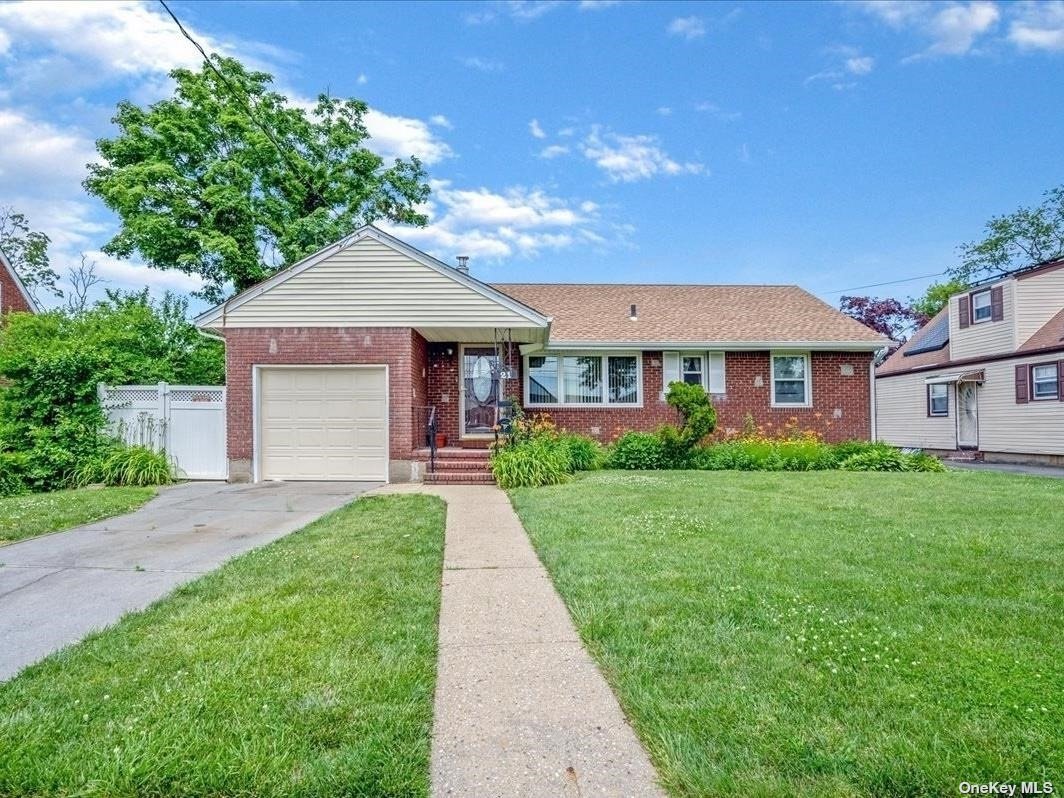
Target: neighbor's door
480,389
967,415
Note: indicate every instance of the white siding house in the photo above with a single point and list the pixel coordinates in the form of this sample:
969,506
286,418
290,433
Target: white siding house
984,378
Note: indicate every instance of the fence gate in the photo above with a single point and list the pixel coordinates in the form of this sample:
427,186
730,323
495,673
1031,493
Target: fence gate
188,421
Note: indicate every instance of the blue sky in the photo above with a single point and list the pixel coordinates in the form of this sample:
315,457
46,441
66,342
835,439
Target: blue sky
832,145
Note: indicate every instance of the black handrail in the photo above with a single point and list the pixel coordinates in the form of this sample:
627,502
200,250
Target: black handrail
431,428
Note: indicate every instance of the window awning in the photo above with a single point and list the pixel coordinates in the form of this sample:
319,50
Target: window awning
963,376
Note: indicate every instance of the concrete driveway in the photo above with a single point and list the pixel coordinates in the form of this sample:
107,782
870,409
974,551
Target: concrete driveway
56,589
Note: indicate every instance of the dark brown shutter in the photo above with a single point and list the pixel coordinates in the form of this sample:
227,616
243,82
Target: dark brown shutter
928,389
1021,384
997,303
1060,380
962,310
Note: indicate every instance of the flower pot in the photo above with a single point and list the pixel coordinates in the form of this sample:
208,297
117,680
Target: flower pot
441,440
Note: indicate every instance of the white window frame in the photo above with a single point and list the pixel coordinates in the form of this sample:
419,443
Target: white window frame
703,376
808,379
605,380
931,399
1034,383
989,307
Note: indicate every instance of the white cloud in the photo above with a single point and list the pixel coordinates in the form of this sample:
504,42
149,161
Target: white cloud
715,110
441,121
481,64
1038,26
626,159
530,9
861,65
5,42
403,136
953,28
597,5
36,153
851,65
362,80
664,110
689,28
535,129
136,275
493,225
553,151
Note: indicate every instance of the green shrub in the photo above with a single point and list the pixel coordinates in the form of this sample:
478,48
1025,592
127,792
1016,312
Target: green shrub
699,420
637,451
876,460
12,474
925,462
135,465
765,455
585,454
841,451
531,463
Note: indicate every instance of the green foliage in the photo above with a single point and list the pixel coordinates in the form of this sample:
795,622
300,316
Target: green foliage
888,459
51,364
27,252
131,465
637,451
537,461
1022,238
13,467
200,188
765,455
585,454
936,297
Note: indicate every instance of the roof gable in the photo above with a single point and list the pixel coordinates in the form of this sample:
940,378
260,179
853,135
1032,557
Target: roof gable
371,279
9,280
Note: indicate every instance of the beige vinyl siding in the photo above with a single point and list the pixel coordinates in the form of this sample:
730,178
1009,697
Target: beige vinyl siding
1004,426
1038,299
371,285
901,414
989,337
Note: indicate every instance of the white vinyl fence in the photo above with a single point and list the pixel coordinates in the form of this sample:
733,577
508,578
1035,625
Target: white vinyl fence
188,421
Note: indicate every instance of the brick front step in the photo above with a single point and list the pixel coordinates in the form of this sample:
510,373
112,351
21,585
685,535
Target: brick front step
460,478
452,453
461,465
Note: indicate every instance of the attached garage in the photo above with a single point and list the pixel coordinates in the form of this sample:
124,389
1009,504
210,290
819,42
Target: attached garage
322,422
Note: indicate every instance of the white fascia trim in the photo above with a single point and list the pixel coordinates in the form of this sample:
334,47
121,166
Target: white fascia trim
5,263
208,318
721,346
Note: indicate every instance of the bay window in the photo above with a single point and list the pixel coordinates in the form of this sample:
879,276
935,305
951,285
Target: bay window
790,380
580,380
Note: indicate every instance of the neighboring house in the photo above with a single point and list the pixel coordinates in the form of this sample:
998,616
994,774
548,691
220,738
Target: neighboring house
334,365
13,294
985,377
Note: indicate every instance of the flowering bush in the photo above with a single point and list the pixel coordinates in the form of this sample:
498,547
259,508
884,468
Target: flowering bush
536,453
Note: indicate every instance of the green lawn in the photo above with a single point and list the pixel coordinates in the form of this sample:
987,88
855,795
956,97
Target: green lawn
305,668
38,513
820,633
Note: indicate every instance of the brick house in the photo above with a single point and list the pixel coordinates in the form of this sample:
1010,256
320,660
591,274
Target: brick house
335,366
13,294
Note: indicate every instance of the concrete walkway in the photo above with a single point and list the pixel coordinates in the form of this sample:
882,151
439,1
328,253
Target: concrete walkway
56,589
521,709
1010,468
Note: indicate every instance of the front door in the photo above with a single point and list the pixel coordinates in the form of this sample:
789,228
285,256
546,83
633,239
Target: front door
480,389
967,415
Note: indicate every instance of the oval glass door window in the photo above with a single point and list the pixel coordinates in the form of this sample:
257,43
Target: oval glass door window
482,379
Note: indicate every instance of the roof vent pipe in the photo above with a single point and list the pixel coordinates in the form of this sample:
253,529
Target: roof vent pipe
632,313
463,264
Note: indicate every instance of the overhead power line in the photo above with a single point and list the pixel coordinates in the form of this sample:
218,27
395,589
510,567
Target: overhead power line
247,102
889,282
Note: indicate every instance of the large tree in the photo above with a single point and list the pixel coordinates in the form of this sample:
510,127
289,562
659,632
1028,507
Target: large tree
230,181
27,252
886,315
935,298
1022,238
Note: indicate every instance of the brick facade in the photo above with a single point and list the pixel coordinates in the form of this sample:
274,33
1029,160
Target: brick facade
11,298
401,349
841,407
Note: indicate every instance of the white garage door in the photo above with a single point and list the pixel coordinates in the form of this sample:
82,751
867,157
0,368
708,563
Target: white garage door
323,423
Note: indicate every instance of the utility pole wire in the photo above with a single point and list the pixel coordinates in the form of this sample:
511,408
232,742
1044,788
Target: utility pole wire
889,282
244,100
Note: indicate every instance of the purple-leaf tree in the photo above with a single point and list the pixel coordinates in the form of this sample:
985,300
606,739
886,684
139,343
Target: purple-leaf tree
884,315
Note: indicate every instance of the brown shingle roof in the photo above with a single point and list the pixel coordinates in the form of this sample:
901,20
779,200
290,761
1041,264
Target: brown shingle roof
1051,334
689,314
899,361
